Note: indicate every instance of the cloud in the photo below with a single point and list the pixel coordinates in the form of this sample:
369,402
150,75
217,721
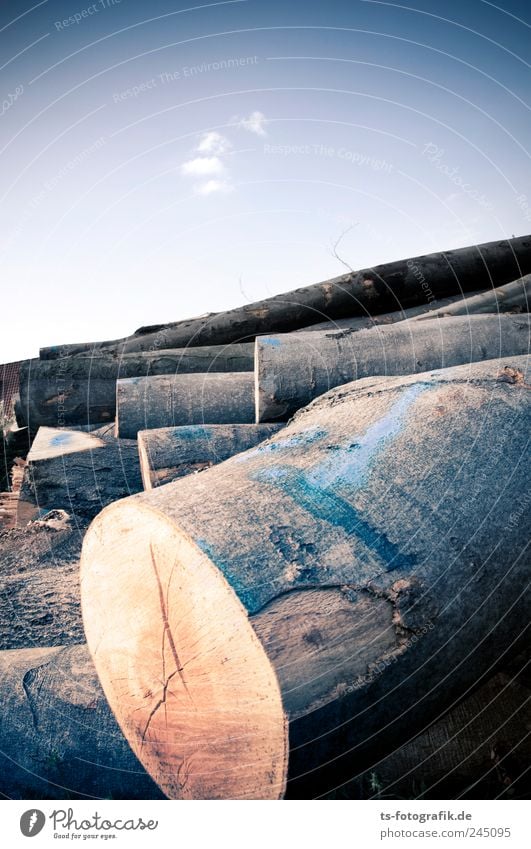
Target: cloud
255,123
214,142
213,186
202,166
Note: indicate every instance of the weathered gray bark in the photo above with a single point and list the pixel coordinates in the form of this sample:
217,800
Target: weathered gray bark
292,369
366,322
379,289
481,749
173,452
376,546
58,737
77,390
514,296
143,403
80,472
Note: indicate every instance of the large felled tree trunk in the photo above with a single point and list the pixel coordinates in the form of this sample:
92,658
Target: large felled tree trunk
58,737
320,596
171,452
294,368
391,286
144,403
82,390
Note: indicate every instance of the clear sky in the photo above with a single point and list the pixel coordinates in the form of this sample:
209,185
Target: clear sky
165,159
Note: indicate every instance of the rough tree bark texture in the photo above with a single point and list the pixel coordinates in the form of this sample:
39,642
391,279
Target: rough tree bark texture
80,390
58,737
294,368
513,296
171,452
352,576
144,403
80,472
480,749
365,322
379,289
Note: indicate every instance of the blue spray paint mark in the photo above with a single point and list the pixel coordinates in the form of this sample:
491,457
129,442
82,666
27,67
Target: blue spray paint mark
270,340
286,443
60,439
329,507
350,465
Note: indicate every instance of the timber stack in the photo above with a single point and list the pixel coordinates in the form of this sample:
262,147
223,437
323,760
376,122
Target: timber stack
291,531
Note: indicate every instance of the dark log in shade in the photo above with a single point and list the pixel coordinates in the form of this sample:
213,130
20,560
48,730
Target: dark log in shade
294,368
366,322
318,598
144,403
172,452
58,737
82,390
392,286
81,472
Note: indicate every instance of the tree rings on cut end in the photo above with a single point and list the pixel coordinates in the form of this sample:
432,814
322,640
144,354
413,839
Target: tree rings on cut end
182,668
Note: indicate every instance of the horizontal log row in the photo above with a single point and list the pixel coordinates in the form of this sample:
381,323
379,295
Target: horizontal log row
344,581
82,390
144,403
383,288
293,369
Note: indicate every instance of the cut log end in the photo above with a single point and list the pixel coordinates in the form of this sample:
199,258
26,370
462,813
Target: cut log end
185,674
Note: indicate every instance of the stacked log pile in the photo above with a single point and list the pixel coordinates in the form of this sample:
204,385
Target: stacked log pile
290,608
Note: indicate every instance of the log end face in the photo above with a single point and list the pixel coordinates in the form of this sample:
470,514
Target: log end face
182,668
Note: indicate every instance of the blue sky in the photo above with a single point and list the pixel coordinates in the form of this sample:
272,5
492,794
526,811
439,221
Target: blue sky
162,160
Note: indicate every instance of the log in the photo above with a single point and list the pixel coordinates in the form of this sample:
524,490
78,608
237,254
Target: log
58,737
78,390
379,289
480,749
342,583
366,322
169,453
292,369
80,472
513,296
144,403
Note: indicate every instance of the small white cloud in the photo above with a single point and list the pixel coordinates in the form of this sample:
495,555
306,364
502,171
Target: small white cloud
255,123
214,142
212,186
202,166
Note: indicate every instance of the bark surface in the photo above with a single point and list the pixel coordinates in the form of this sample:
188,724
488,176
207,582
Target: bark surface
353,575
293,369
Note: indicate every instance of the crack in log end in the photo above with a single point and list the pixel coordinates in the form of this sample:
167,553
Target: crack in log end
167,629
